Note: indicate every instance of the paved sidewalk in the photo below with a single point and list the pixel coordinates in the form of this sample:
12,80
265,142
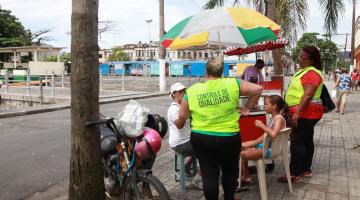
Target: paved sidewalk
336,166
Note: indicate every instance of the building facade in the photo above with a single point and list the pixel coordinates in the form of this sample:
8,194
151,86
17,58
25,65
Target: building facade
357,44
150,51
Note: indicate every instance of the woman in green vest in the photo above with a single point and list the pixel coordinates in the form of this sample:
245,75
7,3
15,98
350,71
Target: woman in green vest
303,98
213,109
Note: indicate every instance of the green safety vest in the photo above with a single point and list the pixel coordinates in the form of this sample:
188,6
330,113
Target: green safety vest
213,106
296,90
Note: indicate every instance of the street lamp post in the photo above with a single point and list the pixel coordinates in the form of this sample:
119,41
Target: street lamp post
149,21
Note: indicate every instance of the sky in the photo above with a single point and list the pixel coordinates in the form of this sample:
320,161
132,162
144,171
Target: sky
130,18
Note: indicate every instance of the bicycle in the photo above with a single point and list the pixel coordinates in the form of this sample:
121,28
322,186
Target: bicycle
125,175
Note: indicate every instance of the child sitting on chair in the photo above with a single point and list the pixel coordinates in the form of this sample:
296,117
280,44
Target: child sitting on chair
253,150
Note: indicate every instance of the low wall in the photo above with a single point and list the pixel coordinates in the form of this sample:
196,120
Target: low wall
43,68
8,65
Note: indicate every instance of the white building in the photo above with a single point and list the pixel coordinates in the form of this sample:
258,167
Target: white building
150,51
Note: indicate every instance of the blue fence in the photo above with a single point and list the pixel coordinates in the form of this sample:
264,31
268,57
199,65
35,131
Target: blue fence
175,68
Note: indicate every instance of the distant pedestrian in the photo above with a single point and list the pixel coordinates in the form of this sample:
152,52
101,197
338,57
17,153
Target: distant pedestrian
337,72
342,86
253,73
355,77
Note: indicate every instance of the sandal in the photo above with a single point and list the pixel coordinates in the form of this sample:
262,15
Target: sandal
247,182
242,189
308,173
294,179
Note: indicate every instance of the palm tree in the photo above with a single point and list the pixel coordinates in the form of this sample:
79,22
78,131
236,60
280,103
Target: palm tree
291,15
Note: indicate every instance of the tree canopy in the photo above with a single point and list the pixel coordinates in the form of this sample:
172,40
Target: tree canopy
327,48
12,32
118,55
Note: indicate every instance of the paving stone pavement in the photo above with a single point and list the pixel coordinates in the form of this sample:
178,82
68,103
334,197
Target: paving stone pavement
336,166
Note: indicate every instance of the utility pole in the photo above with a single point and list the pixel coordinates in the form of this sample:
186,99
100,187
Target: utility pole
86,173
353,33
345,47
149,21
149,51
346,36
162,78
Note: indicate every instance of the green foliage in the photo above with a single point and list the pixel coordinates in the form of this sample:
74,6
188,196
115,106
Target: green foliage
327,48
118,55
65,58
51,59
12,32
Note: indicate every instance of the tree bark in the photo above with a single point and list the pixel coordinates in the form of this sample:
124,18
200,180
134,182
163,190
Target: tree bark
271,13
86,175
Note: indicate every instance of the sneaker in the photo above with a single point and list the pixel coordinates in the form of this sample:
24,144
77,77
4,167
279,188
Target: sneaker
308,173
197,182
294,179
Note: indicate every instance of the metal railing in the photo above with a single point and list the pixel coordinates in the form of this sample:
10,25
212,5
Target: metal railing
51,83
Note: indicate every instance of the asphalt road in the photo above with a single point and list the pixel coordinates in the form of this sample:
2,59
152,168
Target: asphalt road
35,149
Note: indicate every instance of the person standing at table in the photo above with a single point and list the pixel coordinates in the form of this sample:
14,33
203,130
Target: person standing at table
179,139
213,108
253,73
306,109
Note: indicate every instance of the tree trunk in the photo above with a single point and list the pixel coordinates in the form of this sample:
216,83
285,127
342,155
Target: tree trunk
271,13
86,176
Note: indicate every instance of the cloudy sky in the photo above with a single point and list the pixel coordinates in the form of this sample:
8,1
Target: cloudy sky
130,16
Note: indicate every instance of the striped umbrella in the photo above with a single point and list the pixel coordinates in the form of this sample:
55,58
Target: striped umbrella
267,45
239,27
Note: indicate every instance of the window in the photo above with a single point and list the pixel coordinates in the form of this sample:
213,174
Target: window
100,55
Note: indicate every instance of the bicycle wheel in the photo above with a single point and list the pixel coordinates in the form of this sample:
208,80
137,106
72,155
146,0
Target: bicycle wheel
144,188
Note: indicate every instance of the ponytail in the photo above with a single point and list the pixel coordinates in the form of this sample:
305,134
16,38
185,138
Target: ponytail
286,114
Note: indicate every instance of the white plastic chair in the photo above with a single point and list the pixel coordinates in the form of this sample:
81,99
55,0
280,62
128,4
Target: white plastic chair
279,148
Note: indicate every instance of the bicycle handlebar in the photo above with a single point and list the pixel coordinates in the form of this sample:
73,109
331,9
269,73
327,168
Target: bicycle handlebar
101,121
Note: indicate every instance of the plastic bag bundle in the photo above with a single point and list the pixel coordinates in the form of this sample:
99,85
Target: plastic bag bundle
131,120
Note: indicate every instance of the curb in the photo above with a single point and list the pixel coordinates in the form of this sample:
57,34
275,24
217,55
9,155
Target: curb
67,106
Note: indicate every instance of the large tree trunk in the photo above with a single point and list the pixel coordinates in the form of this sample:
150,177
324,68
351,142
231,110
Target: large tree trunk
86,176
271,13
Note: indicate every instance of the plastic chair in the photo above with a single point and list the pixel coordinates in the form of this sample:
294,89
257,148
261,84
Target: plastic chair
179,166
279,148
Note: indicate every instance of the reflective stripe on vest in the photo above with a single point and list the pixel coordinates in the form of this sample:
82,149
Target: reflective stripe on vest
296,90
213,105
